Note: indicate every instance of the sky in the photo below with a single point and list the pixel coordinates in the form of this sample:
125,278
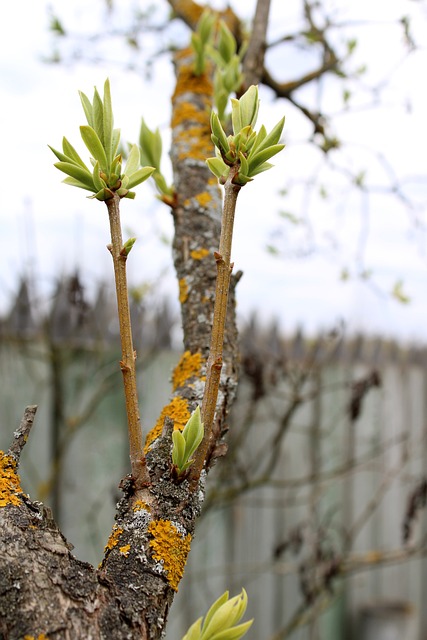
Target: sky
49,229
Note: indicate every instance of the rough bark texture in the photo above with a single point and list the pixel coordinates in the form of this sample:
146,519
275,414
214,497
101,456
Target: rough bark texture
45,592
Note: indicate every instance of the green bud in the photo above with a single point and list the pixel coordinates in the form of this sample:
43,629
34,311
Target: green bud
186,442
227,43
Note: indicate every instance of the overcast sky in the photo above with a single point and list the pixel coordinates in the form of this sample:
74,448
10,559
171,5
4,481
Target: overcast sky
49,228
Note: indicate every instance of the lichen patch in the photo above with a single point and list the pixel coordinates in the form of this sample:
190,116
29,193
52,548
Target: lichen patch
171,548
183,290
188,366
10,486
176,410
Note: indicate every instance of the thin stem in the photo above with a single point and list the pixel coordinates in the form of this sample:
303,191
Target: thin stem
214,364
127,363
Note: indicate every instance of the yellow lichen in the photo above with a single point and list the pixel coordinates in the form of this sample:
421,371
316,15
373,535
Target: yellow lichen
140,505
203,198
41,636
183,290
195,133
178,411
171,548
125,549
188,366
113,540
10,486
187,81
199,254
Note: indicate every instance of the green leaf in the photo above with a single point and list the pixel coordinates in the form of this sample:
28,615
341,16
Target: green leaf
87,108
244,166
115,141
193,434
218,167
227,43
140,176
72,153
151,145
272,138
98,182
236,119
83,176
61,156
219,133
262,156
265,166
249,106
94,144
132,163
76,183
214,608
98,115
235,633
178,449
108,122
194,631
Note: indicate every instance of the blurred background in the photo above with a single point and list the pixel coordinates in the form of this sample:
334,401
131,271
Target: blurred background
315,510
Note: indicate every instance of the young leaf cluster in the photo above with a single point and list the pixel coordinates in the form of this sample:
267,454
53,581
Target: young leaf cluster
102,140
228,77
151,154
245,148
221,621
186,442
200,39
216,42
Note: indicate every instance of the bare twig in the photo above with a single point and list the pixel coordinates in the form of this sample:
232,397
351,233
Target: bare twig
127,363
20,436
214,364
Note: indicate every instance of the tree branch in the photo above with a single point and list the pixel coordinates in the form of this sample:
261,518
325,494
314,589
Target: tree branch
253,63
20,436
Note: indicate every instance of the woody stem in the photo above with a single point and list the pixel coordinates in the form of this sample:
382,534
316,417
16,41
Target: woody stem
127,363
214,363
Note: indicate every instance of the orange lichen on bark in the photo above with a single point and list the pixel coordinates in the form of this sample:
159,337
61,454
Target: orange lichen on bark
41,636
199,254
10,486
113,540
171,548
188,366
140,505
183,290
125,550
191,121
176,410
187,81
204,198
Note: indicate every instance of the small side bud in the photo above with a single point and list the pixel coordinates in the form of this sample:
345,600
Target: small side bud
127,247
